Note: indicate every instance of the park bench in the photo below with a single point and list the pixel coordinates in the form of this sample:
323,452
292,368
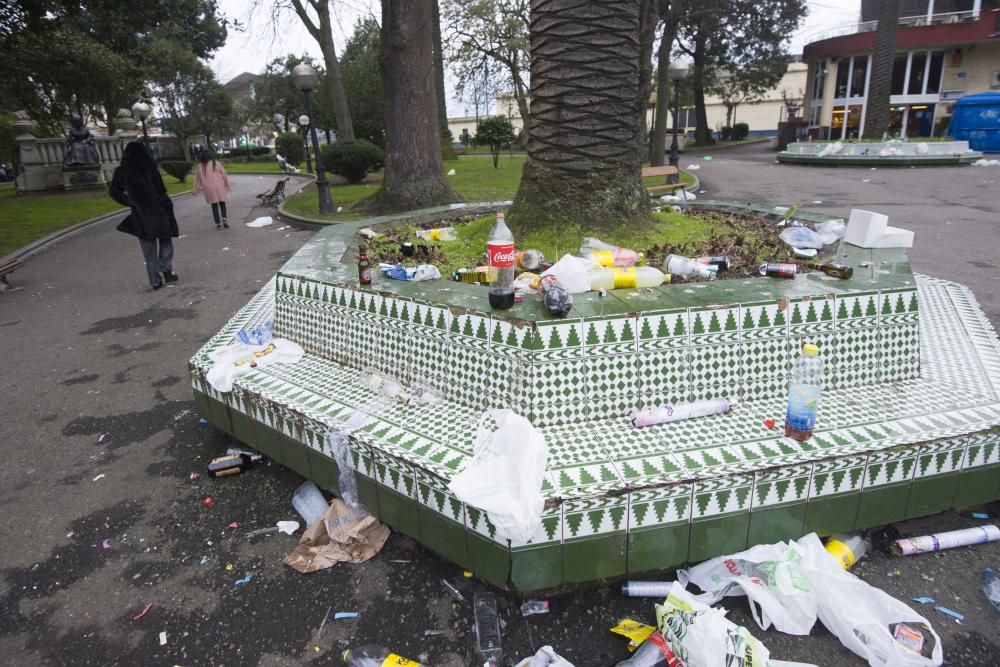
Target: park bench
8,265
667,172
274,196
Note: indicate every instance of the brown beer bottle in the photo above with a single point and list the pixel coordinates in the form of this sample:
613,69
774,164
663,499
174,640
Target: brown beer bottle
835,270
364,266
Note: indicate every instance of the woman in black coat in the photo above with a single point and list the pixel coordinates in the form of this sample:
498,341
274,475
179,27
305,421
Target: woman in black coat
138,185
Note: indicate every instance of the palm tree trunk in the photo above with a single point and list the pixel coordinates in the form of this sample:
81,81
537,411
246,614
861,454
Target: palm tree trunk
414,175
583,167
880,84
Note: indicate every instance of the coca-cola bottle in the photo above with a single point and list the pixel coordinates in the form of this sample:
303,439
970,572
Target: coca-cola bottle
500,258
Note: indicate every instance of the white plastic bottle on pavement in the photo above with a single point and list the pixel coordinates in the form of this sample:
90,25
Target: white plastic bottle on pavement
624,278
803,394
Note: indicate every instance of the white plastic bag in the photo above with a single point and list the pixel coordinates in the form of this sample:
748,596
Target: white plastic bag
801,237
831,231
505,474
545,657
572,273
702,636
793,584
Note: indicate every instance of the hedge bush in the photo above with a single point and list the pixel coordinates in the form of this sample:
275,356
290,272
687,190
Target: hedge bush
352,160
260,150
179,169
726,133
290,146
740,131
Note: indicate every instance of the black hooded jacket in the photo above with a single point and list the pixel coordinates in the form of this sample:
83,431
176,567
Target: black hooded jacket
138,185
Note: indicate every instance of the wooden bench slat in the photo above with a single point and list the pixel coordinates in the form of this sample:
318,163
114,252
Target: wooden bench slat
658,171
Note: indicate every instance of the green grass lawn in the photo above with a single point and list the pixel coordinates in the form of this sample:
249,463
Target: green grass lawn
241,167
29,217
475,179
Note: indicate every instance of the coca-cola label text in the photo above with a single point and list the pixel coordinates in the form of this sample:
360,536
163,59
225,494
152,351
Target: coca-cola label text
500,255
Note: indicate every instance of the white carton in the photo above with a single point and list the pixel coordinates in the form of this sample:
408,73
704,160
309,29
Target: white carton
864,228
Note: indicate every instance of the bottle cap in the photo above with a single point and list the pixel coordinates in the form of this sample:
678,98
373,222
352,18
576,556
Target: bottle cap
810,350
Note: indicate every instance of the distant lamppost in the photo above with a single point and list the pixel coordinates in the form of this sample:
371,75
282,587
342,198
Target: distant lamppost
305,78
304,122
677,71
141,111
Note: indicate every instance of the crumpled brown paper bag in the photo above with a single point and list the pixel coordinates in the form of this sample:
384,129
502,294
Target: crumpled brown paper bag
344,534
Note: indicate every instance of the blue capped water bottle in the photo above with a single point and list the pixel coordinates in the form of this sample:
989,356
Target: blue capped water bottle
803,394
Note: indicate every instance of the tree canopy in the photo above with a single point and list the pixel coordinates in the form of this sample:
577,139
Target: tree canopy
363,82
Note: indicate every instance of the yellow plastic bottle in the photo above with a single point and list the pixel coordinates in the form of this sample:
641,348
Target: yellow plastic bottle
626,278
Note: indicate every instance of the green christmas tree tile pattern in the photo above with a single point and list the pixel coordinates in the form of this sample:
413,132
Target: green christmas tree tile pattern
833,477
660,506
713,497
586,517
782,486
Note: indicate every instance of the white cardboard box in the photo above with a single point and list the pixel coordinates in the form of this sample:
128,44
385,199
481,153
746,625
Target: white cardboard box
894,237
864,228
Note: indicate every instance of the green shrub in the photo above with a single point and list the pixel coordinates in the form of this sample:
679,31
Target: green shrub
726,133
495,132
260,150
352,160
179,169
740,131
290,146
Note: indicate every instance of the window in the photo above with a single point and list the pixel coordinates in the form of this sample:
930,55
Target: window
899,73
860,71
918,61
843,70
934,76
819,77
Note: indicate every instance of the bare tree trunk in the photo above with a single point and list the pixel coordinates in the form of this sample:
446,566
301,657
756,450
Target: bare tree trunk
647,34
323,34
439,69
582,168
702,133
523,109
880,84
414,176
659,141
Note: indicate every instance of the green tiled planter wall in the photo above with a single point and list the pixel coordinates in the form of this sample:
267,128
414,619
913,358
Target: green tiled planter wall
900,434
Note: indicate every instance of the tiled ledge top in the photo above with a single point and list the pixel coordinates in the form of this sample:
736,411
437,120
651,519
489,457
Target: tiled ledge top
331,255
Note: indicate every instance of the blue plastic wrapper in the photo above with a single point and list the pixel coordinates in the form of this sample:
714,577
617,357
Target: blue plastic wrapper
259,335
400,272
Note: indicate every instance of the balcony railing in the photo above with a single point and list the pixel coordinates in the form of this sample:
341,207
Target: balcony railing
943,18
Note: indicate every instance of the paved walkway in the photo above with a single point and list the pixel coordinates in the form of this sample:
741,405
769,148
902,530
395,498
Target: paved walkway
89,351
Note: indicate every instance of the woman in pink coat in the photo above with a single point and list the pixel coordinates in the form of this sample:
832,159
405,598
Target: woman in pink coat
211,177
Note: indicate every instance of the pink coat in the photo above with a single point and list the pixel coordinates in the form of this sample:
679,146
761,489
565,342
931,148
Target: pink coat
212,178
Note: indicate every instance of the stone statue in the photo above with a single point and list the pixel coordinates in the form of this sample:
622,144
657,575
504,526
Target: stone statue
81,150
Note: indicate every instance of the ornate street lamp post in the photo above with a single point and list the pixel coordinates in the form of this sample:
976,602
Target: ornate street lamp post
141,111
304,122
305,78
677,71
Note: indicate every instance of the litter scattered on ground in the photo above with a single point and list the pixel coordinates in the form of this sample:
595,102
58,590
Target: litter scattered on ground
226,248
468,574
454,591
693,167
532,607
234,524
322,623
143,612
208,502
245,580
101,476
202,420
101,437
949,540
346,534
309,502
769,424
983,162
923,600
950,612
635,631
706,157
262,221
163,639
232,361
262,531
817,201
193,476
980,515
680,412
288,527
400,560
105,544
451,172
345,614
545,657
204,559
229,567
866,180
433,633
848,548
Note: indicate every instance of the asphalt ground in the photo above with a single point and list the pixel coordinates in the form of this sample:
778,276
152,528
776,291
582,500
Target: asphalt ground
88,350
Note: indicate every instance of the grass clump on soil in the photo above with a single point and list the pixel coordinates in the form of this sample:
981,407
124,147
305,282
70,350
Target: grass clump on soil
746,239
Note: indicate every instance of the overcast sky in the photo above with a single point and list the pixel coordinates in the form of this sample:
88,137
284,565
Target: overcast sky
264,40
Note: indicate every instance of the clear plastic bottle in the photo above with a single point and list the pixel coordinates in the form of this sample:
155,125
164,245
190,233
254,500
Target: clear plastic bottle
375,656
688,268
439,234
623,278
532,607
803,394
848,548
991,588
608,255
530,260
654,652
500,259
487,620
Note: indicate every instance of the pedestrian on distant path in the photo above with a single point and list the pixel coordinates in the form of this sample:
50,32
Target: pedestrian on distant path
211,177
137,184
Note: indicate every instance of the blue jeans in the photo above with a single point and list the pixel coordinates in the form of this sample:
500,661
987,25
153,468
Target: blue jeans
158,260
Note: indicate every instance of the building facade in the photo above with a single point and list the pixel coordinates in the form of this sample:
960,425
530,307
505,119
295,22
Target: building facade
944,49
